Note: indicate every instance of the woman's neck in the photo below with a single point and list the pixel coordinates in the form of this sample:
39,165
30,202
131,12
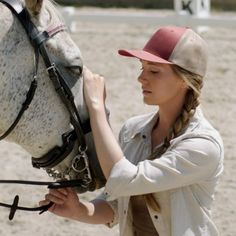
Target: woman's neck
167,118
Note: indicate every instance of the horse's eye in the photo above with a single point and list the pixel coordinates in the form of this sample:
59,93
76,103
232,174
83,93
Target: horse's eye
76,70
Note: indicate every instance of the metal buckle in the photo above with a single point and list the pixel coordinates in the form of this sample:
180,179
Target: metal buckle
80,162
52,67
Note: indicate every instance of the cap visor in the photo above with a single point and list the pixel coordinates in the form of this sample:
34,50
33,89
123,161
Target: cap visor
143,55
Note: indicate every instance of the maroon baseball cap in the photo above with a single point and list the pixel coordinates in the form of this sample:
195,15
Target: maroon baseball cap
174,45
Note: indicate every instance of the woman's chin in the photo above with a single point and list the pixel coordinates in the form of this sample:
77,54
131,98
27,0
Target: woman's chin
149,102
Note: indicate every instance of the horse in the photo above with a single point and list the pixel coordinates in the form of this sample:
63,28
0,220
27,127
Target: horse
45,126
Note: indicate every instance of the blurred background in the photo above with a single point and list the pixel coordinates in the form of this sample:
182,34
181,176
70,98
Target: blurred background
224,5
99,28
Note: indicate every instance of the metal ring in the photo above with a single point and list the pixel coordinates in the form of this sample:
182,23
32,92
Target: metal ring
78,159
81,149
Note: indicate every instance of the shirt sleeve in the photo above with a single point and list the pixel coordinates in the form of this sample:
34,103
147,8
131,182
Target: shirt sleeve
190,161
114,206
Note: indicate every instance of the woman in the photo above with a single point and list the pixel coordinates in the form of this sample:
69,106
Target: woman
161,177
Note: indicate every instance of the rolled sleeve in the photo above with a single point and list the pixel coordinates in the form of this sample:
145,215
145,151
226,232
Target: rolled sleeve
121,175
191,161
114,206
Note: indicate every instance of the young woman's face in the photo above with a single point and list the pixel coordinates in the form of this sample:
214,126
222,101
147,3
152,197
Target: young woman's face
160,85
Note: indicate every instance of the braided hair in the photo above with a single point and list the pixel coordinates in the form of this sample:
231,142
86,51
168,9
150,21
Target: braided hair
194,83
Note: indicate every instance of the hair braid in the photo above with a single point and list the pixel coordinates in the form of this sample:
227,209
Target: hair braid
195,83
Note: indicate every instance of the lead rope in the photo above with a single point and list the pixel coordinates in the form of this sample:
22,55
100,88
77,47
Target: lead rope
14,207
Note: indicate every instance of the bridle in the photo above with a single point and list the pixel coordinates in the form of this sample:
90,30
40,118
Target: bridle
80,164
37,40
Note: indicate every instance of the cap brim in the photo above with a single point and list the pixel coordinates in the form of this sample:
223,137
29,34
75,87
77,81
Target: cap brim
143,55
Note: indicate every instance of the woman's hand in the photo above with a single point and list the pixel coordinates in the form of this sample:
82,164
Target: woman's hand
94,89
66,203
107,148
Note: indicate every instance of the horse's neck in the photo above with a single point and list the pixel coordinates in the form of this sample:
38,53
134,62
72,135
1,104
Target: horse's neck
46,119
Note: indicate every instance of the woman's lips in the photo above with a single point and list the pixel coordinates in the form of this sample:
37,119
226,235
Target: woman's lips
146,92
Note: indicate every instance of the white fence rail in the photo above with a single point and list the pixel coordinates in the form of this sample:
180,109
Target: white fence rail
192,13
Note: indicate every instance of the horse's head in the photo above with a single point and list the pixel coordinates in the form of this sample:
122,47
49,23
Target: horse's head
17,66
47,118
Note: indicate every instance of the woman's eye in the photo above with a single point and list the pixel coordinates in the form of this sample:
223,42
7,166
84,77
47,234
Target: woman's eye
154,71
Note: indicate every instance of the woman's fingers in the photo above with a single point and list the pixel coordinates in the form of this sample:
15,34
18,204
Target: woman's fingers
63,191
58,196
88,75
86,71
44,202
60,193
54,199
94,89
70,190
66,202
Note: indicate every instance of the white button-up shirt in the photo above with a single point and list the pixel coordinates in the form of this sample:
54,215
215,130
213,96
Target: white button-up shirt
183,179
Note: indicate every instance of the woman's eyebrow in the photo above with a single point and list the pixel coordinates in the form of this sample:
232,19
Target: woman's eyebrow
149,62
152,63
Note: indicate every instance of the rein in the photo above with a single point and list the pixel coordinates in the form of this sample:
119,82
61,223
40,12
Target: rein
51,185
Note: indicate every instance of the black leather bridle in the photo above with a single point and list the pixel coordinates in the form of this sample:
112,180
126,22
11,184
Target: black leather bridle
37,40
57,154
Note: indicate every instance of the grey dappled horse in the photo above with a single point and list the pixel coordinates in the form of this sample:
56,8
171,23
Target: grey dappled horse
45,121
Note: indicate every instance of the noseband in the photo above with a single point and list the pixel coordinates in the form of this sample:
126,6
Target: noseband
80,165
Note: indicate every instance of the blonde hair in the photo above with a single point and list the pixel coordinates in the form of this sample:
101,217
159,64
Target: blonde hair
194,83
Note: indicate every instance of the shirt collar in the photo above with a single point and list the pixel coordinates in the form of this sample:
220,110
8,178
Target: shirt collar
144,127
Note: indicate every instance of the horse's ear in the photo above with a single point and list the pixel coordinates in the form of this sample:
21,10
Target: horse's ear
34,6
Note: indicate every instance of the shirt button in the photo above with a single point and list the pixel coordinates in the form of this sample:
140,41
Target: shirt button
144,136
156,217
124,211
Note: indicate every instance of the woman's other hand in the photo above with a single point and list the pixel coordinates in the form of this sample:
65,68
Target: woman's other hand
66,203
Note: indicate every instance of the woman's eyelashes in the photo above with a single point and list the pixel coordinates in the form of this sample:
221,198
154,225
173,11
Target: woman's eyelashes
153,71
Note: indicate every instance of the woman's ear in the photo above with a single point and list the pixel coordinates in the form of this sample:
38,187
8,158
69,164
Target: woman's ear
34,6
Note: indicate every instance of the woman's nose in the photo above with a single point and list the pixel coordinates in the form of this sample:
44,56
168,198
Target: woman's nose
142,78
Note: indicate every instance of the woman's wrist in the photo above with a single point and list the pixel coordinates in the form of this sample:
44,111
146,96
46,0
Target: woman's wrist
79,212
84,213
96,107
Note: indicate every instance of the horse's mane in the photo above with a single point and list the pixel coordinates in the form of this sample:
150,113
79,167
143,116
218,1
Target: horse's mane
51,7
